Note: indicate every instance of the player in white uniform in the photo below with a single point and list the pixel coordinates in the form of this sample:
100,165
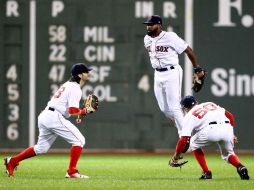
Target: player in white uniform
163,48
203,125
52,123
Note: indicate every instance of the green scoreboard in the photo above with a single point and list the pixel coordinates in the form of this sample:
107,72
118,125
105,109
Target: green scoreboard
14,72
41,39
223,41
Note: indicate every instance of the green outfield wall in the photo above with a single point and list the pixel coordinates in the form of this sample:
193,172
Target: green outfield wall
41,39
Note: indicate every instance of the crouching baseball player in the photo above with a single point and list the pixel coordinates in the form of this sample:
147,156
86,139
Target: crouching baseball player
52,123
203,125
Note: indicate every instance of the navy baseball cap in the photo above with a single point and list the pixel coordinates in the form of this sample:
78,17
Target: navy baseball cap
188,102
79,68
154,19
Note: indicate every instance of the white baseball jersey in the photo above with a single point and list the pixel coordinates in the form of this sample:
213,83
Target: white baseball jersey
201,115
163,51
207,124
68,95
52,121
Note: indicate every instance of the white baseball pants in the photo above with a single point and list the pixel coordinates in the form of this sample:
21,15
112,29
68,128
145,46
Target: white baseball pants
52,124
167,89
222,134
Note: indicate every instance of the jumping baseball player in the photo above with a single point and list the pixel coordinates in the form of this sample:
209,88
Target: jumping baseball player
203,125
163,48
52,123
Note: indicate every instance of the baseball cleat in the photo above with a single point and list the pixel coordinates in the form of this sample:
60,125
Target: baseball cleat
243,172
9,167
76,175
206,175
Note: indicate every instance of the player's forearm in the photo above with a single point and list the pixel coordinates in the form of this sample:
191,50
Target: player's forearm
230,117
191,56
76,111
182,146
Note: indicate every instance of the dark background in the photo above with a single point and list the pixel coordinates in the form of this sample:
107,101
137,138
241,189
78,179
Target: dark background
134,120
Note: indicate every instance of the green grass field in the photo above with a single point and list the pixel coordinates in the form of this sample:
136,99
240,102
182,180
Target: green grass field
125,172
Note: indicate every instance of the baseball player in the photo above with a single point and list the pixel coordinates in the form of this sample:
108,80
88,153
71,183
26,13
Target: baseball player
203,125
52,123
163,48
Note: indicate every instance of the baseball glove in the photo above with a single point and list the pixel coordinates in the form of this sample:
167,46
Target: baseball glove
91,103
198,79
173,162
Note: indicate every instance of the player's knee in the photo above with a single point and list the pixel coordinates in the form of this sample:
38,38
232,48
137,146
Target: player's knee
226,153
40,149
163,110
172,112
81,142
225,156
168,114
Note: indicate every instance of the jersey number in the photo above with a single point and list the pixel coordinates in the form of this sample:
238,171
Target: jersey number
201,112
59,92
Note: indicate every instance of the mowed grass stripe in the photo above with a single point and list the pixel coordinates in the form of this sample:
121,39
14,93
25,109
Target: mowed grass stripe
125,172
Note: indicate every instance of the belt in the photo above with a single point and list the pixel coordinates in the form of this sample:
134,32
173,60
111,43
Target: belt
164,69
51,109
214,122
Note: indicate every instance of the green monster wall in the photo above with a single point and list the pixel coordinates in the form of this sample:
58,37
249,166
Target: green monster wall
108,36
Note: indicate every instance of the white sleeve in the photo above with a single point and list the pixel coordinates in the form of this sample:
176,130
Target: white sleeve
146,41
177,43
74,98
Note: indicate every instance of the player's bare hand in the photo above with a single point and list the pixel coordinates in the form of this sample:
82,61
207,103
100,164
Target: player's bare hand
200,74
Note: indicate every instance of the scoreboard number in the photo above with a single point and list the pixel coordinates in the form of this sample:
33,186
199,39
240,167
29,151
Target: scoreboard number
12,73
12,131
57,33
56,73
14,112
13,95
57,53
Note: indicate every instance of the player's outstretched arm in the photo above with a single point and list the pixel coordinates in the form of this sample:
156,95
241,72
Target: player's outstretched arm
77,111
230,117
197,69
199,73
181,147
81,113
191,55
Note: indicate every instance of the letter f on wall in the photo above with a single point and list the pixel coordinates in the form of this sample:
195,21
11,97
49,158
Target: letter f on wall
224,17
